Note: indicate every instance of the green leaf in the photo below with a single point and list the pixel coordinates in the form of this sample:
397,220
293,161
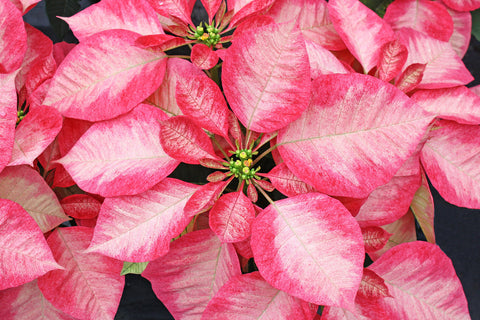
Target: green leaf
379,6
133,267
62,8
476,23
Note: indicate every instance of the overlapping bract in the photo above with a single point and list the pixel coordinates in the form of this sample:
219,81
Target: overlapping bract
290,78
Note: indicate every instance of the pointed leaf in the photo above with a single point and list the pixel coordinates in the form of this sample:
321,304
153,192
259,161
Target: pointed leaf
60,8
137,16
177,8
13,42
410,77
26,302
365,35
204,198
428,17
245,8
452,163
200,98
24,252
334,157
139,228
459,104
310,247
72,130
402,230
84,278
423,208
196,266
8,116
133,161
115,76
33,135
392,57
133,267
211,6
268,100
26,187
375,238
443,67
372,286
249,296
286,182
231,217
184,141
81,206
422,282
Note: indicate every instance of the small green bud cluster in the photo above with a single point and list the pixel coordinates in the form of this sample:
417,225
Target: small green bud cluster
20,116
210,36
241,167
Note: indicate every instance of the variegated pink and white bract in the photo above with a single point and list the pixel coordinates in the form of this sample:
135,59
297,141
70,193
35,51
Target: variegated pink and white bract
309,130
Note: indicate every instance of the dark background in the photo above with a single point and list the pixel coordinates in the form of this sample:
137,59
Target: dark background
456,229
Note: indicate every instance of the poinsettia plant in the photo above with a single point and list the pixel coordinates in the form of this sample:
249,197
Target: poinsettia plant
309,128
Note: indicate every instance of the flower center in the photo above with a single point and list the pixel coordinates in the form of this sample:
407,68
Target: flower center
240,164
207,35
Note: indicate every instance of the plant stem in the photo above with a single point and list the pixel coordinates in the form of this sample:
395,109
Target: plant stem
263,192
264,154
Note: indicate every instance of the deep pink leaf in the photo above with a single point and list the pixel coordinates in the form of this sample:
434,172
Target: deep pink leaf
268,100
372,286
164,96
294,251
249,296
8,116
410,77
196,266
62,179
244,249
180,9
322,61
286,182
313,19
24,252
200,98
463,5
246,8
33,135
184,141
26,302
114,77
392,57
134,15
84,278
459,104
251,24
334,157
48,156
25,5
203,56
61,50
422,282
38,63
365,35
13,42
204,198
403,230
431,18
139,228
443,67
452,162
462,29
161,42
131,162
211,6
423,208
231,217
26,187
72,130
81,206
375,238
399,191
